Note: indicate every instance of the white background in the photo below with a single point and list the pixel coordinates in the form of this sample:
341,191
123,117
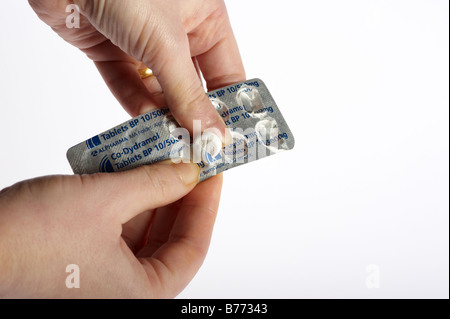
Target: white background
364,88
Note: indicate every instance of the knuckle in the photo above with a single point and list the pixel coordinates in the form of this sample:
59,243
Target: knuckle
159,185
95,9
84,5
196,97
193,104
196,250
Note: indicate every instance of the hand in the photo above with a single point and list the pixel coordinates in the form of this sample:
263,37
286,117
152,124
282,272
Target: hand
172,37
97,222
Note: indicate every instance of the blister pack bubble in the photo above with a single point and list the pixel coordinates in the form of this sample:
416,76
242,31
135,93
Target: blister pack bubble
253,119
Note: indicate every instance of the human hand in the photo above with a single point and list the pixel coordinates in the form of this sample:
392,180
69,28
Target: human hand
136,234
172,37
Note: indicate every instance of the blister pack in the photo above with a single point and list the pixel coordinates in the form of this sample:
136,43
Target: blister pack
252,117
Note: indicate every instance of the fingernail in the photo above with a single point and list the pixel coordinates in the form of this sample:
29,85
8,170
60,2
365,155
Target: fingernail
224,139
228,138
166,162
209,142
146,108
188,172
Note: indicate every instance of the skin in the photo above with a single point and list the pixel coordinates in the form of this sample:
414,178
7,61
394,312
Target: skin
174,38
96,222
143,233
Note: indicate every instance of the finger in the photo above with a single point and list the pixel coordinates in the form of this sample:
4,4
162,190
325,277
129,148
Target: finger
135,231
120,73
126,85
183,89
222,64
162,223
144,188
161,45
177,261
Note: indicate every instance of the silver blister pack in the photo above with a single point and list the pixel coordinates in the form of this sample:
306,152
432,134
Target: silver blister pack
252,117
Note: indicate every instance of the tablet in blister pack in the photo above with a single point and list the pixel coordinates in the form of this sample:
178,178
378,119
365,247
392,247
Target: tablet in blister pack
253,119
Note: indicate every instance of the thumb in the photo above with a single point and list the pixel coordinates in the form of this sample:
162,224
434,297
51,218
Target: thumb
132,192
155,35
183,89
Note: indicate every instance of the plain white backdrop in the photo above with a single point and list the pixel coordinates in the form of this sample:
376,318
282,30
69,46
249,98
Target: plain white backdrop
364,88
